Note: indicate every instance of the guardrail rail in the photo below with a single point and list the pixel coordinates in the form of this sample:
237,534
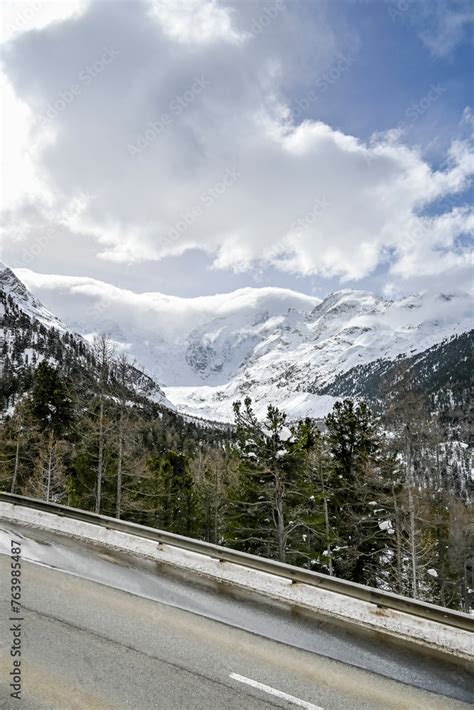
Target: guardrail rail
382,599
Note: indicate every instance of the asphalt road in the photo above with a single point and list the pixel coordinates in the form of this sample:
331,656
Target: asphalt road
88,645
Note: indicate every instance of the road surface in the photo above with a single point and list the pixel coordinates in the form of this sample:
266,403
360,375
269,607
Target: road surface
154,641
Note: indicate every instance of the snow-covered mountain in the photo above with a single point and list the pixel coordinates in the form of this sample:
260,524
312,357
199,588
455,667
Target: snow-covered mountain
272,344
30,333
13,287
300,355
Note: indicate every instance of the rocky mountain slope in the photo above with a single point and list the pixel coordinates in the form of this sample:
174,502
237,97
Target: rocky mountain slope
273,344
30,333
301,358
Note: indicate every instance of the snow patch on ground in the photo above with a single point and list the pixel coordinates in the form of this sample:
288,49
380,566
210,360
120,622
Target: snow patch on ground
215,403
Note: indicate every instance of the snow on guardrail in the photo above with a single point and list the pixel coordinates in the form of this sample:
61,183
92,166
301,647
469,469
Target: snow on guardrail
453,636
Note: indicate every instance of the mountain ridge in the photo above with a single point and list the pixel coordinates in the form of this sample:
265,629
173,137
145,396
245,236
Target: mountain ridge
275,345
30,334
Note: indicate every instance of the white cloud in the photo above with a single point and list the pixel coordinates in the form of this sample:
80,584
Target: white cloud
172,195
445,24
19,175
198,21
89,301
18,16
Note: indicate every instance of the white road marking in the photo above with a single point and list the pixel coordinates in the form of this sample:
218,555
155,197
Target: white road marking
276,693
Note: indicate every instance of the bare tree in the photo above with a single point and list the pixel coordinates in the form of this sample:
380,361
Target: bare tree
48,479
103,353
318,470
214,472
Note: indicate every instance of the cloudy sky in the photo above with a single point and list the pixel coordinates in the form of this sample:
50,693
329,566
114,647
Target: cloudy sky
197,146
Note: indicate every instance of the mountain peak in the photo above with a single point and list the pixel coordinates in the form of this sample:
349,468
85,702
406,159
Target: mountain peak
348,301
352,294
13,287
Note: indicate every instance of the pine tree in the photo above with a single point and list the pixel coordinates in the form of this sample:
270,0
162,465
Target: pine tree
272,457
359,506
173,496
52,414
50,401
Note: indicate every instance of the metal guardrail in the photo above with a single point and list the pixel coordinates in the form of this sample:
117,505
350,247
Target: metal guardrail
387,600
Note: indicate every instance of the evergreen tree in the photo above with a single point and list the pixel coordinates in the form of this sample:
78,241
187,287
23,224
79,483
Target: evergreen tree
174,498
272,457
52,414
359,507
50,402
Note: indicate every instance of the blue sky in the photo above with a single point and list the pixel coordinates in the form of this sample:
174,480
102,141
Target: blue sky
362,106
392,71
